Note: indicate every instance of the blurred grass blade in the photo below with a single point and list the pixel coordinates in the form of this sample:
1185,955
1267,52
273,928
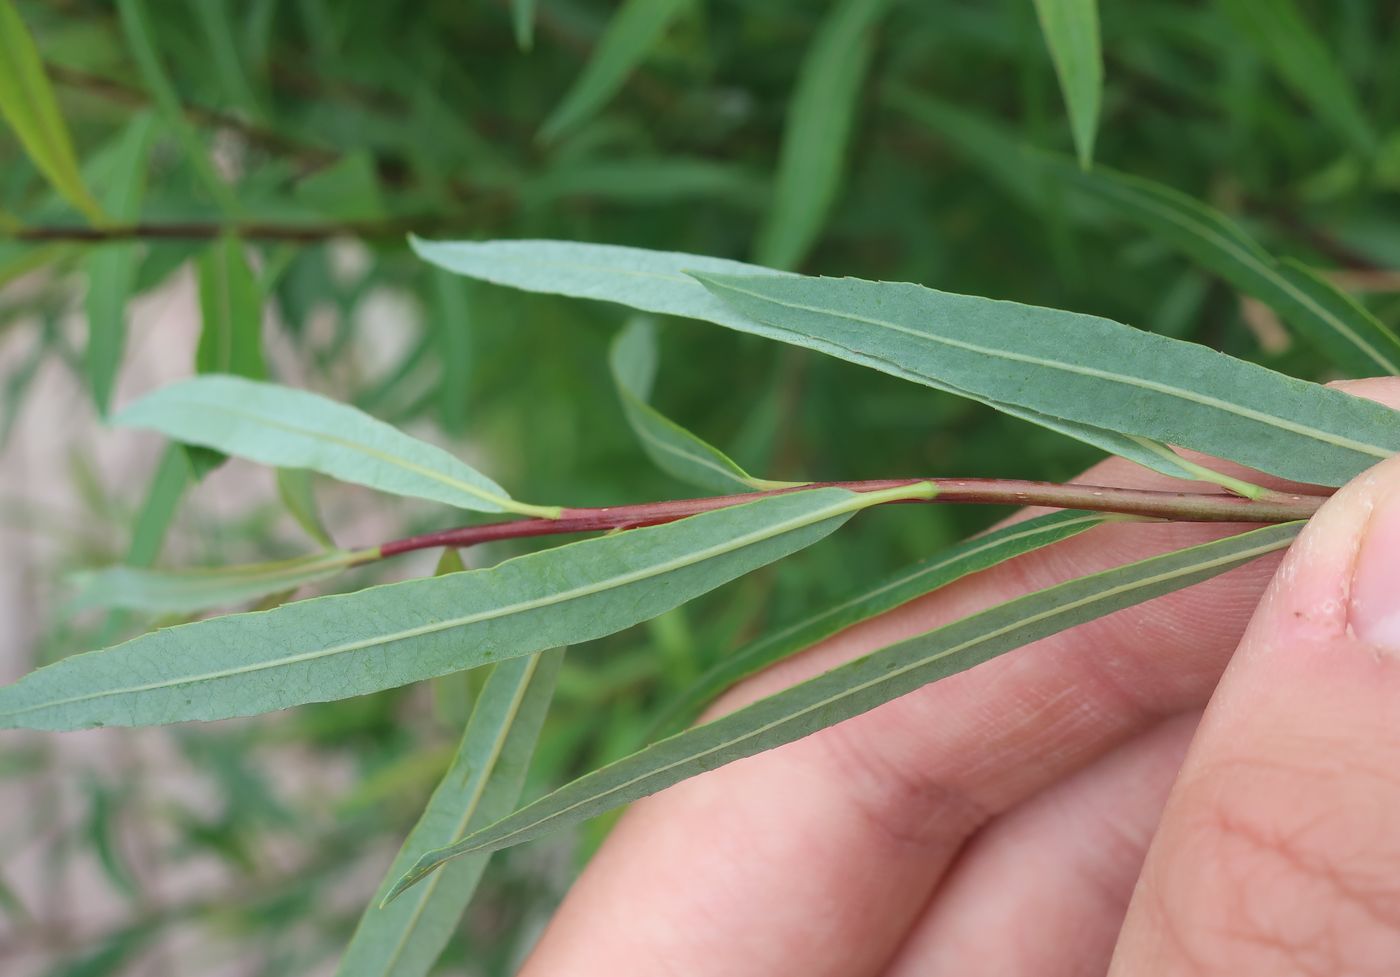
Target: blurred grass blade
674,449
969,557
483,784
661,282
1086,369
297,492
111,267
28,104
1336,325
231,309
289,428
452,328
140,39
863,684
1071,29
820,116
634,29
1292,47
200,588
522,16
384,637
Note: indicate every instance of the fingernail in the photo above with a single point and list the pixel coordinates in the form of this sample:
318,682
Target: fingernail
1375,584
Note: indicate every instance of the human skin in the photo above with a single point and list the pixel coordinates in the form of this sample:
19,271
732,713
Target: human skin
1208,783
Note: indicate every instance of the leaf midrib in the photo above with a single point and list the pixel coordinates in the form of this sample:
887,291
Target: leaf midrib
1050,613
504,502
489,766
857,501
1127,380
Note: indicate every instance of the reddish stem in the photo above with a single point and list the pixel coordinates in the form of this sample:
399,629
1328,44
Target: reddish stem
1180,506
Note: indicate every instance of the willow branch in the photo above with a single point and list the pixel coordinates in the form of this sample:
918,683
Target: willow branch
1143,503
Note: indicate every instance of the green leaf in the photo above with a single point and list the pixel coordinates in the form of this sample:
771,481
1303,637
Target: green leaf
661,282
483,784
1291,45
276,425
861,685
630,35
820,116
334,647
522,16
1071,29
231,308
295,489
1331,320
111,268
674,449
168,484
28,104
452,327
969,557
1086,369
199,588
140,39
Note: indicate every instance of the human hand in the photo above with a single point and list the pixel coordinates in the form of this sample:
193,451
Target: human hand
1063,806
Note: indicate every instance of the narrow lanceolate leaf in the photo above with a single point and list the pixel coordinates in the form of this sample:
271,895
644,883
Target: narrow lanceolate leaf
863,684
231,309
295,489
922,578
820,116
674,449
380,638
1086,369
660,281
199,588
27,102
1327,317
1293,48
1071,29
483,784
277,425
629,37
522,15
111,268
140,38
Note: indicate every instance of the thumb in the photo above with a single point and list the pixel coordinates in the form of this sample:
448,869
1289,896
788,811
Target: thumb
1279,848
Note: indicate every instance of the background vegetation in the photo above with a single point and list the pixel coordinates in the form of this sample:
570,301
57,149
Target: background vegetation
265,161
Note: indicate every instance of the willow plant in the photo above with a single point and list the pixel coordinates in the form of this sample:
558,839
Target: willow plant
1135,394
1249,447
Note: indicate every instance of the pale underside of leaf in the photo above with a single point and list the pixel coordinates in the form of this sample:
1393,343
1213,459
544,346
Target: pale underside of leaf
200,588
383,637
1087,369
289,428
662,282
862,685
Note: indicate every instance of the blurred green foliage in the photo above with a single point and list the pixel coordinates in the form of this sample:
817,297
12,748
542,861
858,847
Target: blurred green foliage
318,133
